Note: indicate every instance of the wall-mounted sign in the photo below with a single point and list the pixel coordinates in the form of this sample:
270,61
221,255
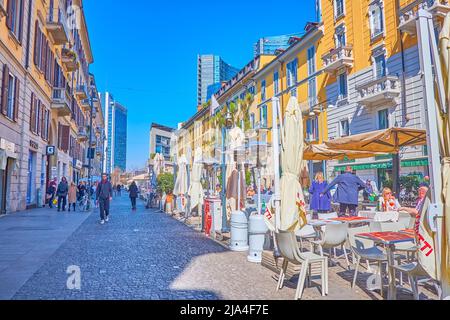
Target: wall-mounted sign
34,145
50,150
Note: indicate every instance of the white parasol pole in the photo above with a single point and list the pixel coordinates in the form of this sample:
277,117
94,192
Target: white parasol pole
425,41
259,191
276,161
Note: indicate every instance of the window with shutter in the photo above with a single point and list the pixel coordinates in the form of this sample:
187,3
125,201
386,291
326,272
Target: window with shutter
59,135
37,43
43,110
32,112
14,20
15,111
47,125
4,97
65,138
38,116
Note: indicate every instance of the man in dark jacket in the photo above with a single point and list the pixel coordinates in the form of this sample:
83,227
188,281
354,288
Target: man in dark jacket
104,196
133,189
61,192
347,191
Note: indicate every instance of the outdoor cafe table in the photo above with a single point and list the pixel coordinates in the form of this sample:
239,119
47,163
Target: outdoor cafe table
388,240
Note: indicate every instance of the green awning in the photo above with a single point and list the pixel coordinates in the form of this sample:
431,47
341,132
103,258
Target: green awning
366,166
383,165
415,163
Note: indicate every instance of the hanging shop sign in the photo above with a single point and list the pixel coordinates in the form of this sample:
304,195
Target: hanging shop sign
34,145
50,150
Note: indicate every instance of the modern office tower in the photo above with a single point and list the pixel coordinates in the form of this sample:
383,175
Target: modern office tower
269,45
116,134
211,70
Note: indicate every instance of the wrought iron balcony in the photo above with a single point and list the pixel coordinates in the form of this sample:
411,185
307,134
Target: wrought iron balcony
379,91
57,27
85,106
69,59
82,134
81,92
338,58
408,13
61,101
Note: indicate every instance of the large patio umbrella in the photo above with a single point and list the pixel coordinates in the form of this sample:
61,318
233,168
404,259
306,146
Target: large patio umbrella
293,213
444,135
196,189
323,152
385,141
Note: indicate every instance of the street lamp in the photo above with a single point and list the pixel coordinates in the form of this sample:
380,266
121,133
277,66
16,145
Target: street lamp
228,125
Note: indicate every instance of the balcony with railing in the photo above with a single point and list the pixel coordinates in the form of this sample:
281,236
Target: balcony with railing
99,150
379,91
2,9
57,26
338,58
69,59
82,134
408,13
85,106
98,131
61,102
81,92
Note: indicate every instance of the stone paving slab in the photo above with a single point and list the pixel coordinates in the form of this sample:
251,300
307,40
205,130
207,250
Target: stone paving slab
28,239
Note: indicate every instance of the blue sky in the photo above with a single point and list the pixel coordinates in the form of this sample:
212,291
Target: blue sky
145,51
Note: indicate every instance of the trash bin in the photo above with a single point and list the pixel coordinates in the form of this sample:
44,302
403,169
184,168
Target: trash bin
257,230
239,231
213,210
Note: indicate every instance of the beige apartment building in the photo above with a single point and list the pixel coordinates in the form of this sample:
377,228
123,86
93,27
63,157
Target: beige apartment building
45,55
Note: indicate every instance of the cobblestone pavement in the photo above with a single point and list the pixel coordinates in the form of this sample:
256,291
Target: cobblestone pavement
149,255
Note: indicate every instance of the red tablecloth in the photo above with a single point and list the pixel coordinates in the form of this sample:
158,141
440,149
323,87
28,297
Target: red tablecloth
387,236
348,218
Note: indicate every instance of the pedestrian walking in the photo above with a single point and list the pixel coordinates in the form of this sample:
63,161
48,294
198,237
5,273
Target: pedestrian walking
133,190
61,192
317,203
51,190
104,196
119,190
72,196
81,190
348,187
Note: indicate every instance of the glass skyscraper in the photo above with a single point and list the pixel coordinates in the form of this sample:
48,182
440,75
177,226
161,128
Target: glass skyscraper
211,70
116,134
120,137
268,45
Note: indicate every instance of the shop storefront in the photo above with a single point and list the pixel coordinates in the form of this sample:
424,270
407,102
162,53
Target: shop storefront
8,161
381,169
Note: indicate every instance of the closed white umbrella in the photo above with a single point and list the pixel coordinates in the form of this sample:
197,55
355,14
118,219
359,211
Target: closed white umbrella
293,213
444,135
158,163
196,189
181,186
